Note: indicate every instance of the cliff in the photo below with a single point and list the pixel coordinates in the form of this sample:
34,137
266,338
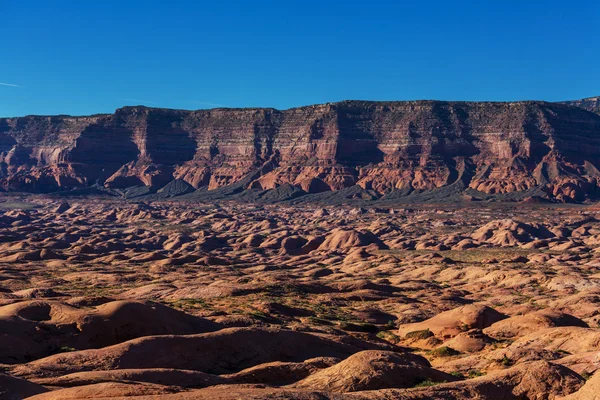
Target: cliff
591,104
382,147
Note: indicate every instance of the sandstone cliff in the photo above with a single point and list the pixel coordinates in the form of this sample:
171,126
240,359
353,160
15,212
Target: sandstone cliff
591,104
383,147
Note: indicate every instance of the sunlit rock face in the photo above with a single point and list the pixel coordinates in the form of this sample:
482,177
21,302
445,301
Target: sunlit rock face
492,148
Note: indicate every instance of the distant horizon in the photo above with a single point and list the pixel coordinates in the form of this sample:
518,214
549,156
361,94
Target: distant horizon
290,108
82,58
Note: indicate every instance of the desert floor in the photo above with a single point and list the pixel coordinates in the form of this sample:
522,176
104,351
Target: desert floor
106,299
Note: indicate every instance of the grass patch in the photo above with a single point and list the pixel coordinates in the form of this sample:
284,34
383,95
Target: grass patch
458,374
423,334
352,327
474,373
388,336
507,362
427,383
444,351
188,303
64,349
586,375
258,314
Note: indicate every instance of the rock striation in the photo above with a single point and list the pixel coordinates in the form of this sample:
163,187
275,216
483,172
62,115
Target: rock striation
384,148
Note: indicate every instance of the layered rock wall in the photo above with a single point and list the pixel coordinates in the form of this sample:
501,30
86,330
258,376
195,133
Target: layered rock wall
381,146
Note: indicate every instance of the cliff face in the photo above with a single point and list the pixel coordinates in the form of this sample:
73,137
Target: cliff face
591,104
381,146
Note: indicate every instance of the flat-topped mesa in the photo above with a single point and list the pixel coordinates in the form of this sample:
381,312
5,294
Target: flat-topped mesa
409,146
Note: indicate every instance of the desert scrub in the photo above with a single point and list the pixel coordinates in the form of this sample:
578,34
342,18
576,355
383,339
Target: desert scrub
361,327
423,334
458,374
258,314
188,303
388,336
507,362
474,373
586,375
64,349
427,383
444,351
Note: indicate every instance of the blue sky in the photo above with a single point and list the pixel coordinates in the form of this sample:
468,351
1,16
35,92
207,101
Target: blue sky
82,57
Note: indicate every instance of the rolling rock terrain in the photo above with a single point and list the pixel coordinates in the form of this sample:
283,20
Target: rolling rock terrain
103,298
390,152
353,250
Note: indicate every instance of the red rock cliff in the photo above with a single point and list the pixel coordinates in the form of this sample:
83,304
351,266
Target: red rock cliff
381,146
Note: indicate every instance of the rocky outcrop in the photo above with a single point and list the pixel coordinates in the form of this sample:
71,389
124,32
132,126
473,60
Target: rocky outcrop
383,147
591,104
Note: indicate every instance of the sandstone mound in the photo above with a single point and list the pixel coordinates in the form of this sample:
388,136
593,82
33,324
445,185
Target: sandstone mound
138,391
108,390
279,373
469,342
224,351
570,339
160,376
589,391
522,325
508,232
119,321
450,323
535,380
345,239
372,370
36,328
16,389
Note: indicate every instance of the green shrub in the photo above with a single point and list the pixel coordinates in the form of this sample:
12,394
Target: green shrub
474,373
349,326
389,336
457,374
444,351
586,375
507,362
424,334
427,383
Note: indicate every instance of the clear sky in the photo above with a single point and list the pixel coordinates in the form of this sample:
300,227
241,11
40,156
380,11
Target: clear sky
81,57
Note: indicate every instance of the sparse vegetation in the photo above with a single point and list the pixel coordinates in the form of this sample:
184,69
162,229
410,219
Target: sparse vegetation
586,375
422,334
358,327
457,374
388,336
507,362
427,383
444,351
474,373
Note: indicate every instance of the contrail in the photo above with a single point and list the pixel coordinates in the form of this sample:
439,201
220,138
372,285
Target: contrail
9,84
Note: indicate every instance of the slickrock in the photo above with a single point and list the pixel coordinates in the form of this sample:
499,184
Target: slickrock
180,299
451,323
370,370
